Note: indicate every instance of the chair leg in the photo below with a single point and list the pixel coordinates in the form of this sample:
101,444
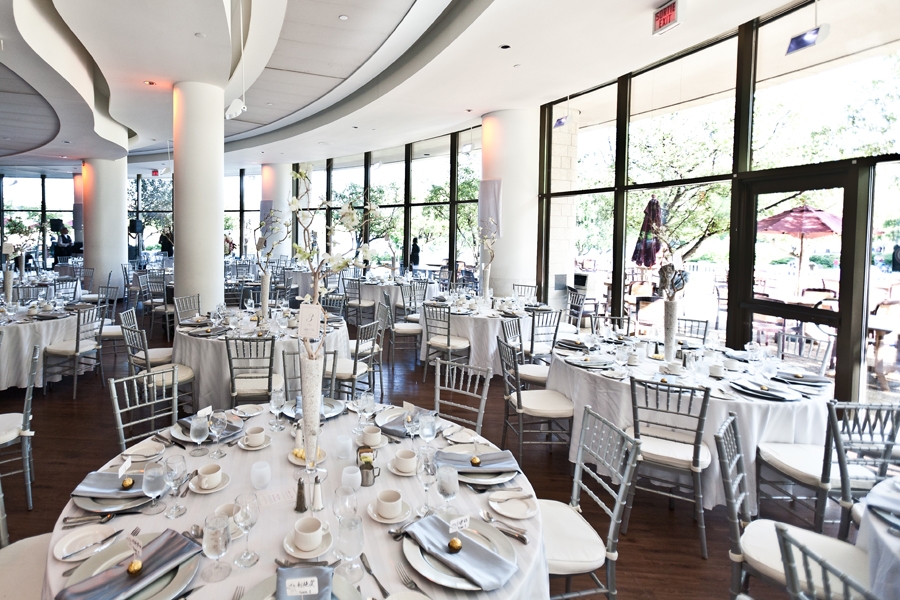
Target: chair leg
26,470
737,580
698,507
821,504
521,436
505,424
628,505
74,378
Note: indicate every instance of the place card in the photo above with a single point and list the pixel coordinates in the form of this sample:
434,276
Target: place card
136,546
308,321
302,586
274,497
459,523
124,468
205,412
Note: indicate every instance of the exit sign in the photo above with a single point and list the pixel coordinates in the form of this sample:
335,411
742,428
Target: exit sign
665,17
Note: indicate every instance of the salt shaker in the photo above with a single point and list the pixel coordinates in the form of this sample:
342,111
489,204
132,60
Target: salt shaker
317,503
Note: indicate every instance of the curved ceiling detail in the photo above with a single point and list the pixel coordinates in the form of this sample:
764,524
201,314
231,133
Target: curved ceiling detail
27,121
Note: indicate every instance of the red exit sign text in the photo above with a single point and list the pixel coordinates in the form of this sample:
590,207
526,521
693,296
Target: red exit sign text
665,17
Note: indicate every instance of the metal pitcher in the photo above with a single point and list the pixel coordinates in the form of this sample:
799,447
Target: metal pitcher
368,473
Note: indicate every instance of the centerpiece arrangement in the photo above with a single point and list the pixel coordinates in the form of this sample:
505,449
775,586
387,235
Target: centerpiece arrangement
19,238
671,281
488,239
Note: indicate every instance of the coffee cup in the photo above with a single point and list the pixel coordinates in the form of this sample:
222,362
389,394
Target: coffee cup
228,510
674,368
389,504
732,364
308,533
210,476
371,435
716,370
256,436
405,461
634,359
33,310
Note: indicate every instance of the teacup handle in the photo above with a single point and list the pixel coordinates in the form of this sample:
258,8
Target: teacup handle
377,471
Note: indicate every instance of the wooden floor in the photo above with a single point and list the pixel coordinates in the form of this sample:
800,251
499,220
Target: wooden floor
658,558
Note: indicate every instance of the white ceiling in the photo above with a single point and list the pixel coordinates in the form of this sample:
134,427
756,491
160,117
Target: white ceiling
27,121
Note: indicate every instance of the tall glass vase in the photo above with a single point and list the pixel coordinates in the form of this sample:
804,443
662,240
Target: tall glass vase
670,322
486,281
311,398
8,284
264,286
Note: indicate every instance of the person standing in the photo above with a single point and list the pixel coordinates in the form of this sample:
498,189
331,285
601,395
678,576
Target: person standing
167,242
414,255
63,245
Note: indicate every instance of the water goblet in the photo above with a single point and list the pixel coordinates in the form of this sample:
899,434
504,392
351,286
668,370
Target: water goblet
234,319
216,539
199,432
366,405
276,405
348,548
426,473
447,486
248,303
176,472
218,423
427,427
345,503
245,516
154,484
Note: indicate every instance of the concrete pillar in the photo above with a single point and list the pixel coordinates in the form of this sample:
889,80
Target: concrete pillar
199,171
78,210
276,193
509,153
104,185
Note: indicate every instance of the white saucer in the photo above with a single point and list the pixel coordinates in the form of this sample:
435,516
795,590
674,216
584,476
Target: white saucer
384,442
248,410
81,537
325,546
397,471
302,463
195,487
148,449
523,508
244,446
405,513
463,436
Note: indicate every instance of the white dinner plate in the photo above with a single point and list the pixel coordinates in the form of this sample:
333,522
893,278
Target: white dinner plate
432,569
405,513
590,362
517,508
290,548
108,505
247,410
480,478
144,451
388,414
195,485
462,435
244,446
333,408
341,589
176,432
384,442
81,537
167,587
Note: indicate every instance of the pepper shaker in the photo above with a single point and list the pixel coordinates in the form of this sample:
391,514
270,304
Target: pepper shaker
301,507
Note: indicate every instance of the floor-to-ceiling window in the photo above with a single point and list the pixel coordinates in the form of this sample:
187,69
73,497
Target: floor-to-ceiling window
387,177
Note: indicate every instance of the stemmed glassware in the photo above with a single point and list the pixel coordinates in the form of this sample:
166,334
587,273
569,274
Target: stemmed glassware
276,405
348,548
426,473
199,432
218,423
248,303
344,504
175,473
245,516
411,424
234,319
153,485
447,486
427,427
216,539
365,405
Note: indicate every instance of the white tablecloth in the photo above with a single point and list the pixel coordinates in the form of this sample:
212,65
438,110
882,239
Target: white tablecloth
884,553
19,339
375,292
209,360
801,422
482,333
303,281
276,521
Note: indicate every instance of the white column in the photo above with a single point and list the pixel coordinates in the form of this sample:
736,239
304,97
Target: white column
509,153
78,210
104,185
276,193
199,132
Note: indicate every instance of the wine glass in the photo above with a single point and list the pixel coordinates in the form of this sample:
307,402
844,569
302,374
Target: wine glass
348,548
344,504
245,516
426,473
216,539
218,423
234,319
248,303
366,408
153,485
176,472
199,432
427,427
276,404
447,486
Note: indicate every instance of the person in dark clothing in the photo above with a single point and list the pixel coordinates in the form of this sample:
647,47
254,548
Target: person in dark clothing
414,255
167,243
63,245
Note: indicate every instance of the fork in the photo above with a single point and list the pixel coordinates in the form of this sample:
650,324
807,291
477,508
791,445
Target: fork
408,581
136,531
238,593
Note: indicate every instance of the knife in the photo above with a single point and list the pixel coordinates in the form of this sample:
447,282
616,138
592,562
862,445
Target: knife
182,597
101,542
177,442
510,533
365,562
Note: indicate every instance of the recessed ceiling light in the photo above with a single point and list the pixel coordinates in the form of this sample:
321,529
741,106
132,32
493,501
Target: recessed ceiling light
427,154
200,35
355,127
343,17
64,157
516,66
66,142
149,83
505,47
262,151
269,104
468,110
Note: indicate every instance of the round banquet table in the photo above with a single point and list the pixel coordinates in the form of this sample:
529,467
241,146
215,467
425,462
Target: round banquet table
209,360
375,292
20,337
884,552
482,331
801,422
277,517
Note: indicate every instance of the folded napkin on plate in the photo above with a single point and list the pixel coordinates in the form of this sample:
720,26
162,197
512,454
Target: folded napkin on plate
804,379
886,495
231,430
396,427
290,577
491,462
108,485
213,332
474,562
159,557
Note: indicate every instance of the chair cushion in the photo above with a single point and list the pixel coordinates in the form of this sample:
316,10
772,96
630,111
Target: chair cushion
856,513
256,386
567,328
158,356
803,463
167,308
455,343
24,563
67,348
549,404
534,373
413,318
344,368
364,349
539,349
10,426
670,453
361,303
90,298
185,374
407,329
570,543
759,544
112,331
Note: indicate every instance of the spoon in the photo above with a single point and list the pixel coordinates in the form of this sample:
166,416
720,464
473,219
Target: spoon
490,519
197,533
480,489
104,519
